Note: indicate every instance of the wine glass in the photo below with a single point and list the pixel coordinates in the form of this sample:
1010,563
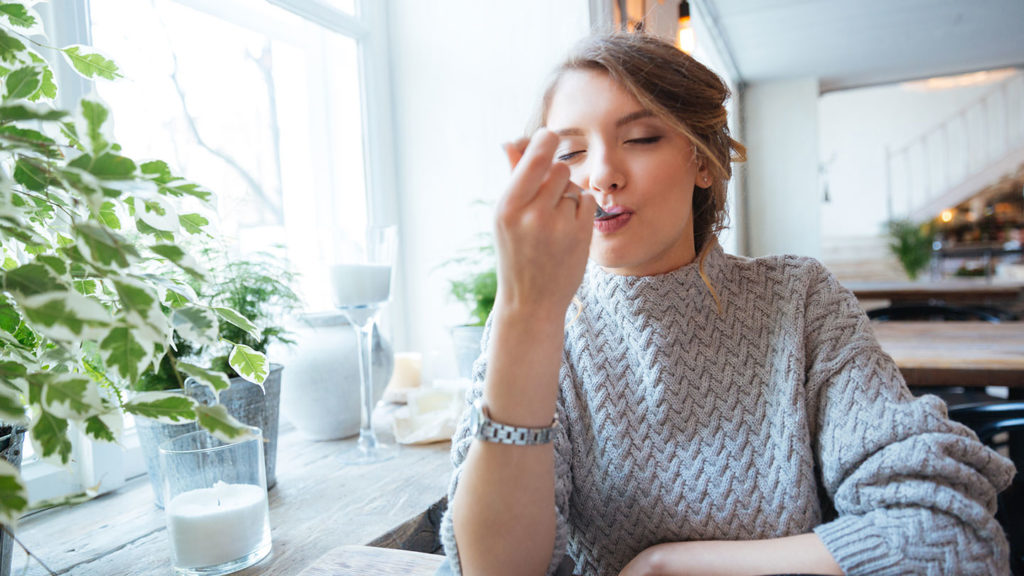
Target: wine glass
361,287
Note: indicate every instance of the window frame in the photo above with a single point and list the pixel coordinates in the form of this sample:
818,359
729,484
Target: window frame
103,466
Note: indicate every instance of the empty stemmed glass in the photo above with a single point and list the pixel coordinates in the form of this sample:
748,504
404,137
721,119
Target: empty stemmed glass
360,288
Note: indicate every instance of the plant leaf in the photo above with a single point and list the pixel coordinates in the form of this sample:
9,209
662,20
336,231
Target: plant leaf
95,115
50,435
122,352
13,495
18,15
196,324
68,396
103,247
28,111
32,174
10,47
193,223
221,424
66,316
31,279
98,429
249,364
23,82
164,407
215,380
233,317
12,410
90,65
181,259
106,166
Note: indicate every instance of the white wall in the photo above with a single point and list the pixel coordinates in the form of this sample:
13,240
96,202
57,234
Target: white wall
782,194
466,76
855,127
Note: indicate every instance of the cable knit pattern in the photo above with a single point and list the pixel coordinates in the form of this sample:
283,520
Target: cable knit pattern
777,416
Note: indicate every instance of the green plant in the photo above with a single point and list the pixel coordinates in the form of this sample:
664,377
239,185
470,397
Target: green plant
258,288
94,248
911,243
476,280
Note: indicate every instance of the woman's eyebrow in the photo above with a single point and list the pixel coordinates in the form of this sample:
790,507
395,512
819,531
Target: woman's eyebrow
632,117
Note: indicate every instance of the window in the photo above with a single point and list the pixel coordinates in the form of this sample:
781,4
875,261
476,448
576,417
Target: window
261,102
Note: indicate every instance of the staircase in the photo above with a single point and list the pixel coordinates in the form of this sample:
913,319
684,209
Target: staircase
977,147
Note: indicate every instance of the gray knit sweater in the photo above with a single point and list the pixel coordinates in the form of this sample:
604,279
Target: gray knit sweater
777,416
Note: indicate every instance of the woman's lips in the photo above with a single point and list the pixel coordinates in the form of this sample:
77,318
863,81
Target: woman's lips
612,223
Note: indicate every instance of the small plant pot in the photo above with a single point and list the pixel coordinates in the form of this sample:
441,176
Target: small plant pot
12,438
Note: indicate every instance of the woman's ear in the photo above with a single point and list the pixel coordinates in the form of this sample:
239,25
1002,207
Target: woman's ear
703,176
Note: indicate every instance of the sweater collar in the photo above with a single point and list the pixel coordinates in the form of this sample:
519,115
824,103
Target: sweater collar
686,276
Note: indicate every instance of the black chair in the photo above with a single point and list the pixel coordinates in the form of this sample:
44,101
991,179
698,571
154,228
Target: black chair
1001,426
938,312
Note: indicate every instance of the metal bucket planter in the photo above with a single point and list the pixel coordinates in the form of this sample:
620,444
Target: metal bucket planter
243,400
11,440
466,340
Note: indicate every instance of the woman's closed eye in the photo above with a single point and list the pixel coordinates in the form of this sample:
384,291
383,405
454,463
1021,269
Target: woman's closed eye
645,140
568,156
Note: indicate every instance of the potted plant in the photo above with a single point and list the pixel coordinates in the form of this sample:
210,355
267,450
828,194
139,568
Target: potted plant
911,243
88,241
475,285
259,289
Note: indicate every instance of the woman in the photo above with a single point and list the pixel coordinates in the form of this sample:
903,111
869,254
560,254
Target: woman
712,414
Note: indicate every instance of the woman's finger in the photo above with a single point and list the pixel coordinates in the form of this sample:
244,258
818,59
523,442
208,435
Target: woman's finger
514,151
533,170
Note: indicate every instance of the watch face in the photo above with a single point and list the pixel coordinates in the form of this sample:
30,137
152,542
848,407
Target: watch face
474,419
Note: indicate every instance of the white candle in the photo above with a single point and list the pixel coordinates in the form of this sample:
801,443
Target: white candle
360,284
211,526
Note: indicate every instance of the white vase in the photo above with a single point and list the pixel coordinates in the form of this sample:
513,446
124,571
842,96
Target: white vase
320,389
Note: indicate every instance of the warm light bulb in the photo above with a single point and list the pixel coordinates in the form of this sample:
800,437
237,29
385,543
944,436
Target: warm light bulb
686,40
946,216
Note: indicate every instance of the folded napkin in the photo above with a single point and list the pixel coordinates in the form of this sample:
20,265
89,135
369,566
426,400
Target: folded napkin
431,412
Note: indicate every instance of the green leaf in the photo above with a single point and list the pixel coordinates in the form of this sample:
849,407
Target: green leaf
66,316
216,380
196,324
13,495
23,82
164,407
18,15
106,166
108,215
249,364
68,395
10,47
193,223
9,318
50,433
221,424
29,139
27,111
95,114
91,65
98,429
11,408
180,258
170,184
48,88
104,247
32,174
237,319
31,279
122,352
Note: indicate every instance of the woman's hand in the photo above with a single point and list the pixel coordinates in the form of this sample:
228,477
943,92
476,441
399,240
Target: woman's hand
543,228
804,553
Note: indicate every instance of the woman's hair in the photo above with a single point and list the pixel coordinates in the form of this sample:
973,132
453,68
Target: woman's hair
681,92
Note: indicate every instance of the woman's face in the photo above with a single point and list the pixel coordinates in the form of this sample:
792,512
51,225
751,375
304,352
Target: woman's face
637,167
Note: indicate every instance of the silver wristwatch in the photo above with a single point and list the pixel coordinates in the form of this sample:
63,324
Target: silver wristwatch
481,426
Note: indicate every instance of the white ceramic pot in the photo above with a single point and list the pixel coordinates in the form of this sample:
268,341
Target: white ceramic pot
320,388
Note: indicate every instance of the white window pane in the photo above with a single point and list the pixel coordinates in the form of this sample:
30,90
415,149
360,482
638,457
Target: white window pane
257,105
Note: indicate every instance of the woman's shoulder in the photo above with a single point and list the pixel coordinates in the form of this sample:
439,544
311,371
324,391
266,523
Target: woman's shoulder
781,267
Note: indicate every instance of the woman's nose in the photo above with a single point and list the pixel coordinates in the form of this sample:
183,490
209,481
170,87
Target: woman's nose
604,173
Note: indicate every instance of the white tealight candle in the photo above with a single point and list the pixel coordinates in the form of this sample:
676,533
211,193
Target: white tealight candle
211,526
360,284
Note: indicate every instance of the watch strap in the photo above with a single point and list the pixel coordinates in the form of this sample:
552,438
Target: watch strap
498,433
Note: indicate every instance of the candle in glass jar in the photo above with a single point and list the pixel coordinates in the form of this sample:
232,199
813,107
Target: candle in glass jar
360,284
210,526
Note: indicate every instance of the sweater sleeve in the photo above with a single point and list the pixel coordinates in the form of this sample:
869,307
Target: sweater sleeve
461,442
915,493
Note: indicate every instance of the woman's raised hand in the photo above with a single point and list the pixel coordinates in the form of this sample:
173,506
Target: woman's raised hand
543,228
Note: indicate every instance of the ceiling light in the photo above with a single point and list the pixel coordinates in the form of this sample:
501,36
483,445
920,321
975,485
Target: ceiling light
686,41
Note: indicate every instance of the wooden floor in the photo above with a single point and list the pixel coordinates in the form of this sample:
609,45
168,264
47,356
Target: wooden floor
316,506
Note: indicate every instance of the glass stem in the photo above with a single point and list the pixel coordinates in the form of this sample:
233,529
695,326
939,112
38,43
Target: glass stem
367,439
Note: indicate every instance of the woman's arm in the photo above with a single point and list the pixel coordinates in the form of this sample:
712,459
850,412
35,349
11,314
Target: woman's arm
503,510
804,554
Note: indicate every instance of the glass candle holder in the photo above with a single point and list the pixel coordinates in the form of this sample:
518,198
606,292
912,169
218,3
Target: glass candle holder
215,499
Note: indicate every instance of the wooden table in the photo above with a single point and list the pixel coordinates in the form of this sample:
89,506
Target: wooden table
952,291
969,354
316,506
